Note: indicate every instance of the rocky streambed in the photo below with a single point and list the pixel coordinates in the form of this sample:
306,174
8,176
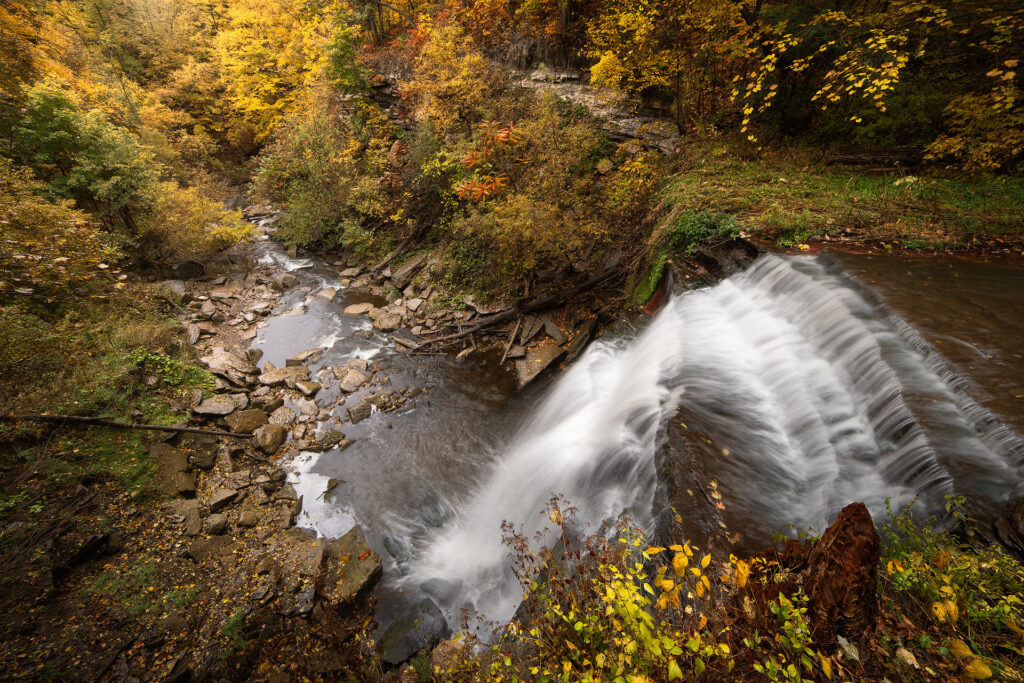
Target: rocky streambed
316,360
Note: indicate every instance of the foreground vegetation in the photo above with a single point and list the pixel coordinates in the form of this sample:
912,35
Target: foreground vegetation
622,610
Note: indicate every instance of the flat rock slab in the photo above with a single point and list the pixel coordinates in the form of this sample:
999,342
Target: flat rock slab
280,376
189,510
404,275
353,568
303,357
580,339
358,309
552,329
172,470
216,406
537,360
221,360
221,499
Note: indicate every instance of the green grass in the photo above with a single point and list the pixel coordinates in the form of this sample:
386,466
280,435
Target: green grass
790,201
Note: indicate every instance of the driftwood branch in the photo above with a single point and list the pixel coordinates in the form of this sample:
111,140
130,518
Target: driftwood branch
537,304
103,422
511,340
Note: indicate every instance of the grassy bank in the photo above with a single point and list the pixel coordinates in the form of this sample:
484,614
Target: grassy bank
788,197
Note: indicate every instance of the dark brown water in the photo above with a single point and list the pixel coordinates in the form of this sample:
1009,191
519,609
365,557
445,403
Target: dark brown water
972,312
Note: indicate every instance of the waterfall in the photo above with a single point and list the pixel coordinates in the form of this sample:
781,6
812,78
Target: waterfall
819,393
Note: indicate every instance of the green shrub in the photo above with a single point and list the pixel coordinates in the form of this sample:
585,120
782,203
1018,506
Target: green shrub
691,228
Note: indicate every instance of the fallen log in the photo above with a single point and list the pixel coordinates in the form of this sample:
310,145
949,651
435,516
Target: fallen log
537,304
103,422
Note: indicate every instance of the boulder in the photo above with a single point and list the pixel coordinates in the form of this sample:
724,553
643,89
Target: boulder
283,416
308,388
414,304
287,492
215,524
188,270
352,380
283,281
388,322
423,627
216,406
208,309
223,293
269,437
360,412
838,573
203,548
175,291
248,517
327,293
220,360
359,364
246,421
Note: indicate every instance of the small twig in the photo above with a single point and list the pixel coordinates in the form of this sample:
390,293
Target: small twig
103,422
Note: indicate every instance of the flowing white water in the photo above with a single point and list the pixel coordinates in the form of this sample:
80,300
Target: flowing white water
823,394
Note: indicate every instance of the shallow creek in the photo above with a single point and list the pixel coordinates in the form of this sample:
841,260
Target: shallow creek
798,386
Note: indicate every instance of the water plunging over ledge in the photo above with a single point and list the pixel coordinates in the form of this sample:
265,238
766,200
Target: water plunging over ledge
802,379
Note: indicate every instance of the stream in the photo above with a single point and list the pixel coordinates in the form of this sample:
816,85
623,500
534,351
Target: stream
797,386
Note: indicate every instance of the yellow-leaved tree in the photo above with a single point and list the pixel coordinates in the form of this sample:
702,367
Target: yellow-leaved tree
272,52
682,49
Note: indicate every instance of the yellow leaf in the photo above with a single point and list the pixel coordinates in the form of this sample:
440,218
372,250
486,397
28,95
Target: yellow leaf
978,670
679,563
960,649
705,561
826,665
741,574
